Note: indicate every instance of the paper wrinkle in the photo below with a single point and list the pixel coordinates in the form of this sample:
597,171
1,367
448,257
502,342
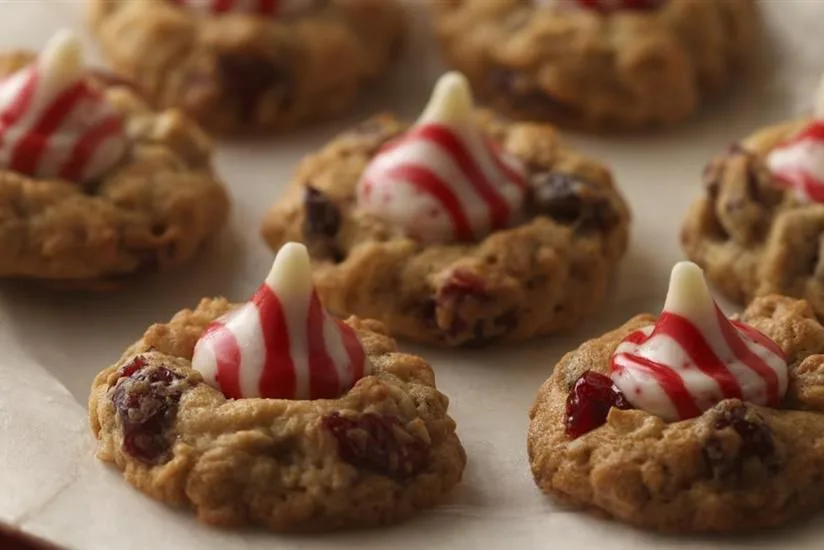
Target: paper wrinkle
497,504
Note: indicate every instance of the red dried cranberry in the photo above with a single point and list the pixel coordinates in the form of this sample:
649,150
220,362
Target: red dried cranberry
756,437
133,366
612,5
322,215
460,287
371,441
589,401
571,200
146,400
463,283
247,79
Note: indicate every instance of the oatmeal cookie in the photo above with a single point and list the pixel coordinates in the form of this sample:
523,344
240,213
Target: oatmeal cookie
542,275
752,233
149,209
377,454
237,71
638,64
737,466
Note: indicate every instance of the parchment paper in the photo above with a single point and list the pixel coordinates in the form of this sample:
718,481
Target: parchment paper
52,344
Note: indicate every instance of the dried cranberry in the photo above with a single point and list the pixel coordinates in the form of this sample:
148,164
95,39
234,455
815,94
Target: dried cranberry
611,5
146,400
322,215
461,287
133,366
247,79
589,402
377,443
571,200
523,95
756,437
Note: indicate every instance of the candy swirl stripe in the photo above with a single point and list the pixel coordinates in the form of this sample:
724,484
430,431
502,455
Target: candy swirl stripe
802,182
696,372
285,354
21,99
798,163
429,182
450,154
813,132
35,124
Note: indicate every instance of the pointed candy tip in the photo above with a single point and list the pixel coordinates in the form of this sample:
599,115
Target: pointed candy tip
688,292
291,271
63,55
451,100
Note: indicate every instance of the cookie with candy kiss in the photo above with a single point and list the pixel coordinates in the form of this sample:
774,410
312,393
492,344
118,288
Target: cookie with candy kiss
694,356
443,180
270,8
282,343
54,123
798,163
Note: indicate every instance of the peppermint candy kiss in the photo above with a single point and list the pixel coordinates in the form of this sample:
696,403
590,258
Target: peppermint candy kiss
270,8
53,123
443,180
694,357
798,163
281,344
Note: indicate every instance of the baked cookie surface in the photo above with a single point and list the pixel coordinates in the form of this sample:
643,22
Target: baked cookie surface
239,72
539,276
752,234
736,467
608,69
377,454
151,211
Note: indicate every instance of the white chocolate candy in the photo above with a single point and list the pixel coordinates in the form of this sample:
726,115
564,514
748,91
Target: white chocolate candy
270,8
443,180
798,163
694,357
53,124
281,344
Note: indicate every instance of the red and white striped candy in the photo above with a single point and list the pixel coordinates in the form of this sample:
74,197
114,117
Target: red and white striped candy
694,357
53,123
443,180
281,344
270,8
798,163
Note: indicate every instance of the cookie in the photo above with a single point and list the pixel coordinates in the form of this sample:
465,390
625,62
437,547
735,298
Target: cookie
598,64
253,66
689,422
96,187
274,413
757,228
461,229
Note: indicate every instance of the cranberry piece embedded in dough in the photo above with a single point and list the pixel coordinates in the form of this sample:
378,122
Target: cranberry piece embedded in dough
589,402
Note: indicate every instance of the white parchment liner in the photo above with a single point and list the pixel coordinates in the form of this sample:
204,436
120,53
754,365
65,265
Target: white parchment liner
52,344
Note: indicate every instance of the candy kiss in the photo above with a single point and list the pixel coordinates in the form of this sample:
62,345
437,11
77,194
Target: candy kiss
443,180
53,123
798,163
694,357
281,344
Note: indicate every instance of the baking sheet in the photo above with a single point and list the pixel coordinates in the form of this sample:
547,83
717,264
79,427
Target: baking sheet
52,343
